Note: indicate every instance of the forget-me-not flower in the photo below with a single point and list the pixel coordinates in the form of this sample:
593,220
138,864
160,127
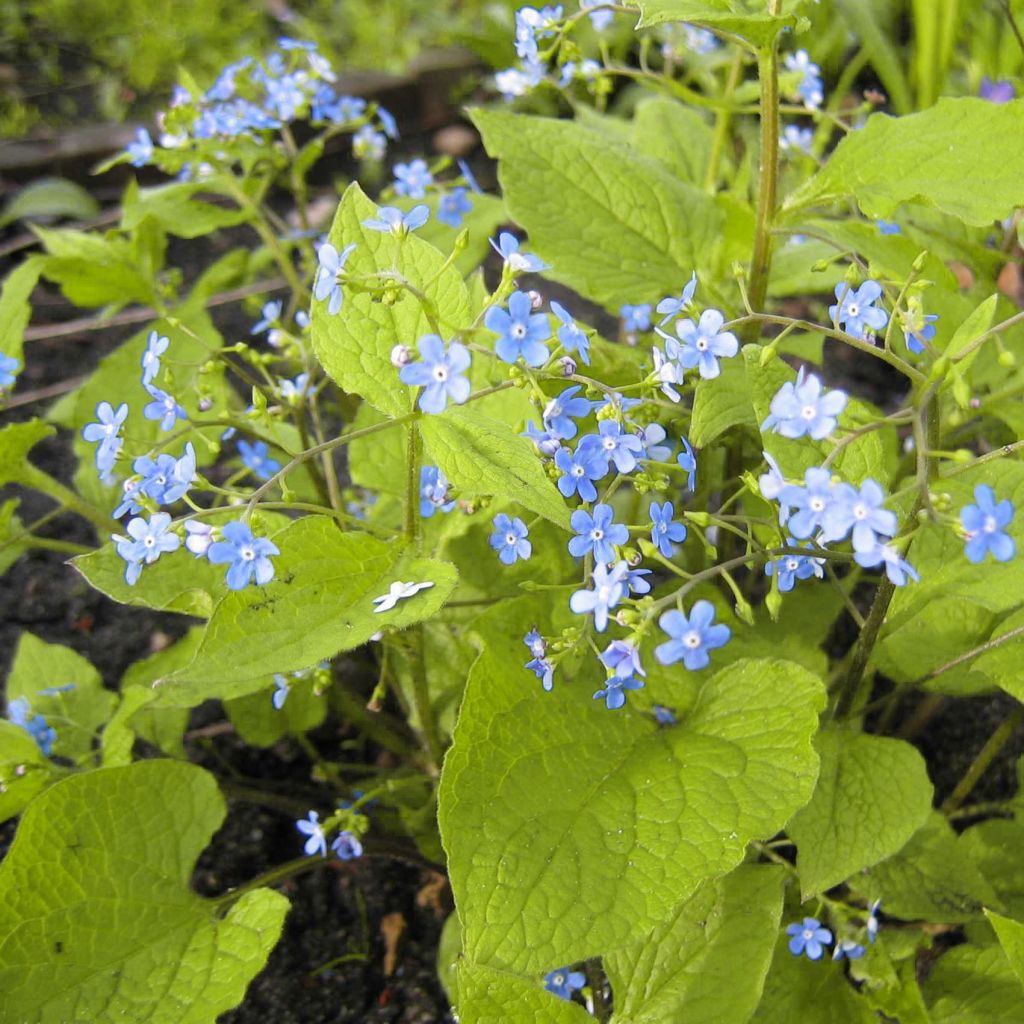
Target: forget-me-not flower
141,150
564,982
521,332
702,344
156,346
800,408
164,407
810,88
270,315
611,444
687,460
434,492
347,846
896,568
247,555
636,317
316,841
8,371
790,568
145,543
596,533
281,691
811,502
808,938
651,437
19,712
612,691
609,590
369,144
256,458
673,306
849,949
622,659
509,538
794,138
412,179
398,591
390,218
106,430
570,334
664,530
860,511
918,329
600,19
579,469
692,636
985,524
453,207
507,247
561,412
327,284
856,311
439,373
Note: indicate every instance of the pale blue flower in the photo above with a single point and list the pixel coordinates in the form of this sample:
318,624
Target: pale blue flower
692,636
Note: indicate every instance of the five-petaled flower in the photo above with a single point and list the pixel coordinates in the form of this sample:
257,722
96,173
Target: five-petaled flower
800,408
856,311
156,346
509,538
702,344
164,407
106,430
398,591
391,219
790,568
327,284
664,530
570,334
439,373
692,636
256,458
579,470
521,332
609,589
612,691
316,841
452,207
507,247
564,982
596,533
808,938
984,524
145,543
247,555
412,179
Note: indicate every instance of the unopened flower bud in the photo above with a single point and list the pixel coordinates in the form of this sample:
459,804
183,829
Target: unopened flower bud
401,355
568,365
536,299
1007,359
205,404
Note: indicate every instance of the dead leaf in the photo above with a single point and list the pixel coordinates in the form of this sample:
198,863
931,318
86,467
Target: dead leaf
392,928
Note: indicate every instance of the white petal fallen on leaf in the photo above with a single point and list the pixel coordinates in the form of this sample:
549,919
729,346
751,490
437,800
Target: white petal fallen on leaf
398,591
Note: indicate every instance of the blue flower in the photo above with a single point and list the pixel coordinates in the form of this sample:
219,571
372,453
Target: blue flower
812,501
564,982
433,492
145,543
996,92
671,307
600,19
547,442
596,533
809,89
560,412
895,567
800,409
809,938
703,343
387,122
141,150
578,470
439,373
514,82
859,511
156,346
347,846
664,715
687,460
368,144
164,408
19,711
664,531
856,312
636,318
692,637
247,555
271,315
544,671
772,482
199,537
918,329
507,247
888,227
985,524
453,207
611,444
609,590
256,458
316,841
790,568
636,582
412,179
509,540
281,691
107,431
612,694
651,437
521,332
570,334
390,218
165,479
8,371
537,644
872,922
848,948
622,659
292,391
797,139
327,284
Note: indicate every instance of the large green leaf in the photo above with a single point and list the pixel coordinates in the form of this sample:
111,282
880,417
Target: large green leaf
872,795
47,198
676,135
974,985
1011,938
15,311
100,924
921,158
571,829
24,770
16,441
993,847
490,996
567,186
747,18
685,968
320,602
354,346
177,210
480,455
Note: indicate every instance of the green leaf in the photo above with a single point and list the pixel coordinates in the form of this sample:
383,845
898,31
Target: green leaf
564,184
678,136
75,714
974,985
872,795
24,770
747,18
260,724
119,736
993,847
560,850
921,158
931,878
16,441
49,197
1011,938
115,933
15,310
354,346
685,968
722,402
1001,665
489,996
320,602
484,456
177,211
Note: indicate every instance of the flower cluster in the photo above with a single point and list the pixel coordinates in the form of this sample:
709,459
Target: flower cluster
346,845
19,711
808,86
810,938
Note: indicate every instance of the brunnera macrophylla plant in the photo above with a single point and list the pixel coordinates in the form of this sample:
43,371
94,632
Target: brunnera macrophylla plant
647,575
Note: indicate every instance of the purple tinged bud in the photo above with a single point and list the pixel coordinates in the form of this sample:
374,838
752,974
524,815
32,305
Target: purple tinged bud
568,365
401,355
536,299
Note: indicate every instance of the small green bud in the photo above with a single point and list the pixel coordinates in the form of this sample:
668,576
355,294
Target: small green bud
963,455
919,261
259,400
773,602
744,611
698,518
820,266
1007,359
461,240
768,353
961,391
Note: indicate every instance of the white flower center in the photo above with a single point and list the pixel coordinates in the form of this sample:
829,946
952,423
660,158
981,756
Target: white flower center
702,344
247,554
792,564
440,373
597,534
692,640
990,525
518,331
860,511
808,934
608,444
510,539
817,504
149,541
604,594
577,471
853,310
808,412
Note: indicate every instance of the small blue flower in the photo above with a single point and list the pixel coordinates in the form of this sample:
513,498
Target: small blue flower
622,659
107,431
672,306
596,533
663,530
8,371
433,492
521,333
563,982
509,539
156,346
809,938
859,511
412,179
453,207
165,479
19,712
612,694
560,413
888,227
996,92
601,18
271,315
848,948
918,329
390,218
141,150
800,409
610,444
369,144
439,373
796,139
636,582
812,501
570,334
544,671
687,460
790,568
547,442
293,391
651,436
327,284
145,543
692,637
609,590
810,88
636,318
896,568
507,247
872,922
199,537
664,715
281,691
772,482
578,472
248,556
856,312
703,343
316,841
387,122
537,644
256,458
164,408
985,523
347,846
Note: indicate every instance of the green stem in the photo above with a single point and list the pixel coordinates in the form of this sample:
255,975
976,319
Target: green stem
723,122
421,696
45,484
293,867
986,756
375,724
